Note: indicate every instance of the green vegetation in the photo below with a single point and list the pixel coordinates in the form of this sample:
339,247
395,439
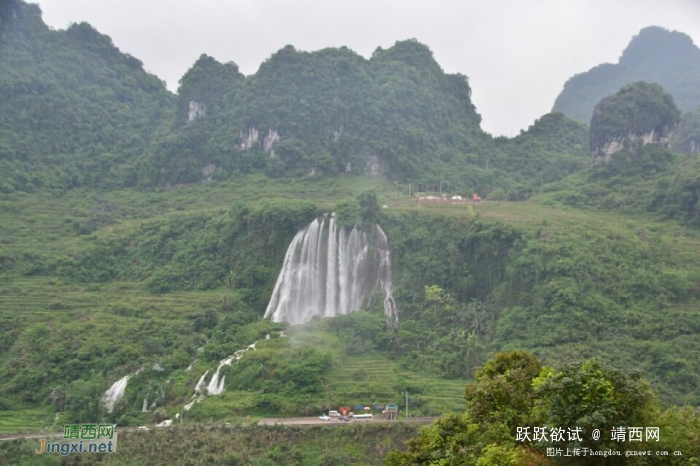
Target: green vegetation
236,445
635,110
687,138
117,258
76,112
649,180
552,147
656,56
138,283
518,409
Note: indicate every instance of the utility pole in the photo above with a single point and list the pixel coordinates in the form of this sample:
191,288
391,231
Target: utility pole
407,404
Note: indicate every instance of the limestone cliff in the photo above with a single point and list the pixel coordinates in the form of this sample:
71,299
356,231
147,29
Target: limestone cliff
639,114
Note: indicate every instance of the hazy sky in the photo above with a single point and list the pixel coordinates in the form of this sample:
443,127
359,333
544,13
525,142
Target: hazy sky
517,53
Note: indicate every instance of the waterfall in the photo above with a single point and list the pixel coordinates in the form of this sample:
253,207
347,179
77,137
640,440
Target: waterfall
330,270
114,393
216,386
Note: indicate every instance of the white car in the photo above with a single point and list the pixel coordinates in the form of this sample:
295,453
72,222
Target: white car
324,418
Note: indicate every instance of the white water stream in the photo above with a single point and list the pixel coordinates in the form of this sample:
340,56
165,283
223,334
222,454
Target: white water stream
330,271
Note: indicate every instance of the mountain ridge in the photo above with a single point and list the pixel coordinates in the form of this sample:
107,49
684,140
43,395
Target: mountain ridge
90,116
669,58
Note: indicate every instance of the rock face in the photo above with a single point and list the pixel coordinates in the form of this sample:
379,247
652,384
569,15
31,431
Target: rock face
209,170
687,137
269,141
196,109
248,138
373,167
251,137
630,141
639,114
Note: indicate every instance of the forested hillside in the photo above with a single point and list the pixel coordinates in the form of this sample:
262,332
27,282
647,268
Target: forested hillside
655,55
74,110
79,113
142,233
687,139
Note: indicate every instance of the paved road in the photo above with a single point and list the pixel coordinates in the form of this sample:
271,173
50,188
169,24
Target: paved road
34,435
296,421
40,435
270,421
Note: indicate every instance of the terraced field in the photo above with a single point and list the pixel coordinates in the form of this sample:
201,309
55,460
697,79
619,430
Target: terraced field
376,379
29,420
42,294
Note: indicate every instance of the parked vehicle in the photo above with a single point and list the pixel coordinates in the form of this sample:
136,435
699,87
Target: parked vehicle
363,417
333,413
324,418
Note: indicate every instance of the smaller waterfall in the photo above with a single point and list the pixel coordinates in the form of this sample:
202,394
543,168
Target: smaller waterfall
200,384
215,386
115,393
198,395
144,406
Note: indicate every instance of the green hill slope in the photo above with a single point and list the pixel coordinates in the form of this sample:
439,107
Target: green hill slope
97,287
655,55
74,110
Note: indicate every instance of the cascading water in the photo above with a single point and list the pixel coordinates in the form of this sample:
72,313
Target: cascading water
216,386
114,393
330,271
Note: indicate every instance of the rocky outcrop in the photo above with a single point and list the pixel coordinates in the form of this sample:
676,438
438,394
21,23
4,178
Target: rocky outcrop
209,170
196,110
373,167
337,133
631,141
637,115
248,138
269,141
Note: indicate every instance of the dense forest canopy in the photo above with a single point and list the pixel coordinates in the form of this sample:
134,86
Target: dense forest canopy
687,138
79,113
74,110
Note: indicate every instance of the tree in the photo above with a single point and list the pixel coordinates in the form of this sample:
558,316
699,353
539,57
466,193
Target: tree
83,402
503,393
514,393
594,395
369,207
